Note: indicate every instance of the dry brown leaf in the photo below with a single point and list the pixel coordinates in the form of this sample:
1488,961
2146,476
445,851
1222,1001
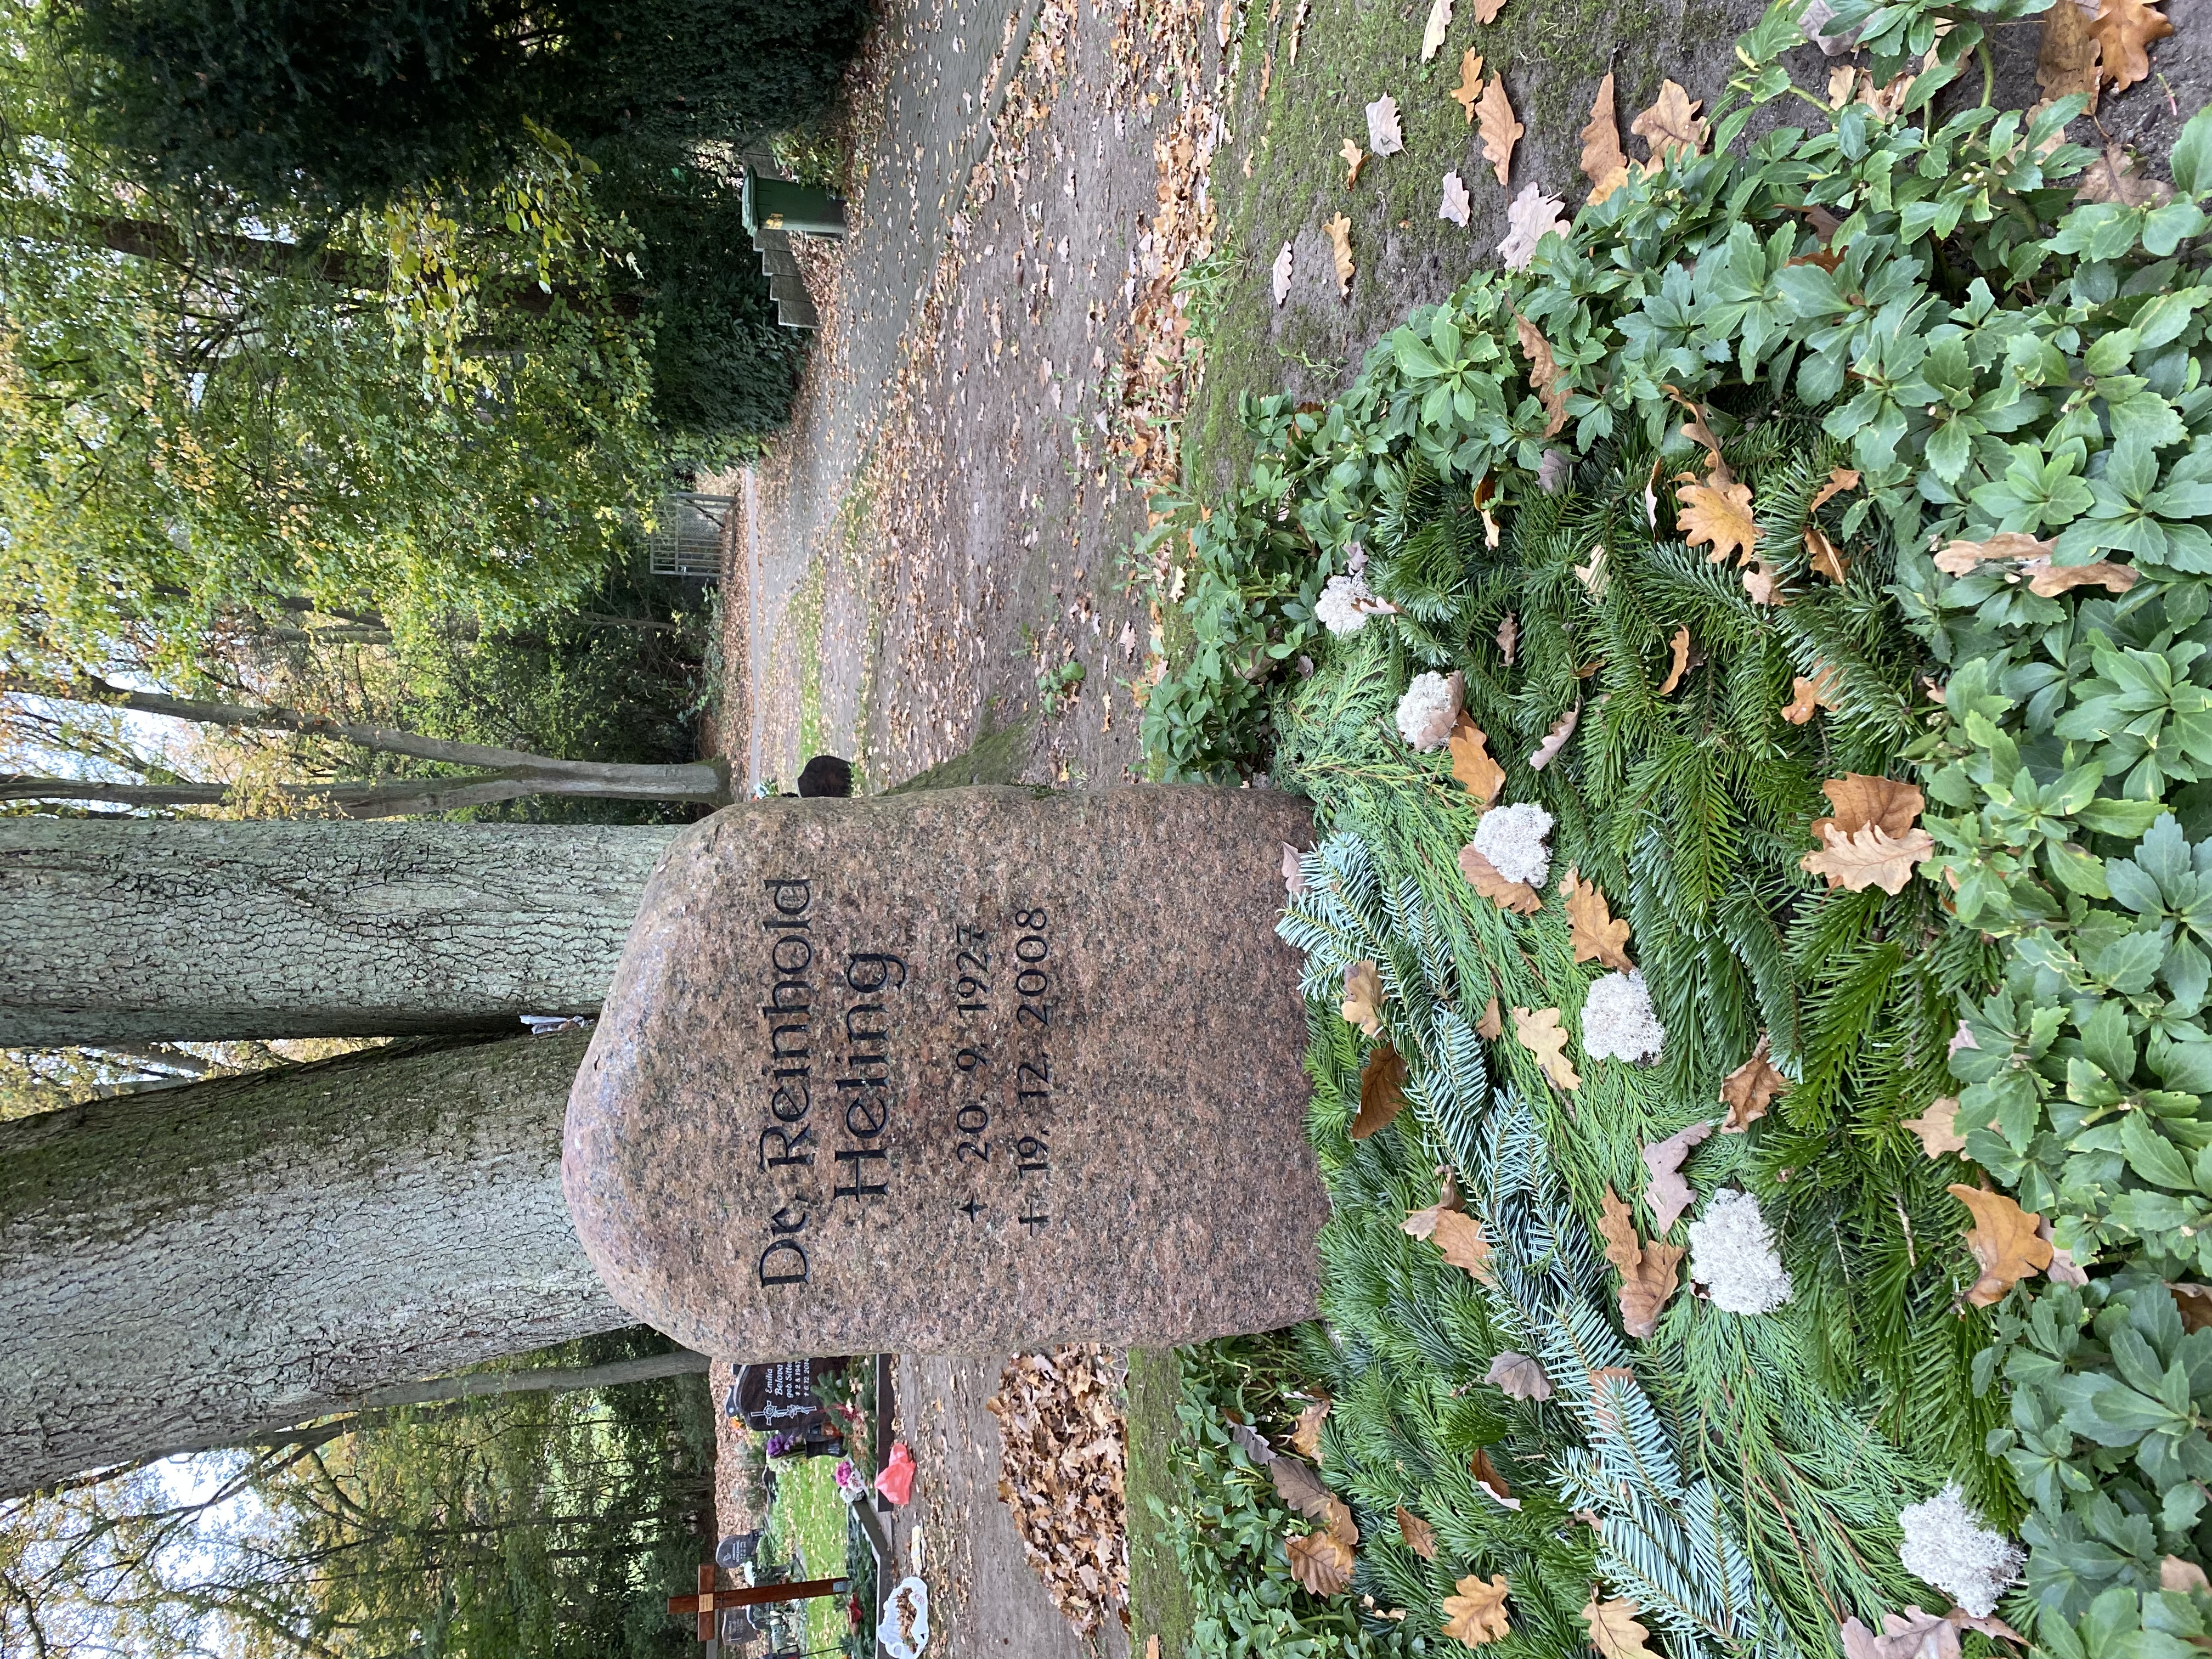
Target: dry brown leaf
1382,1091
2047,580
1153,1646
1432,37
1721,515
1617,1226
1869,857
1500,131
1458,1238
1517,897
1546,377
1604,163
1614,1632
1518,1375
1840,479
1826,560
2003,1241
1540,1033
1667,1195
1556,740
2195,1303
1595,933
1305,1438
1764,583
1959,558
1645,1292
1860,801
1508,636
1340,242
1418,1535
1294,874
1806,696
1670,127
2112,177
1487,1477
2124,30
1321,1562
1469,92
1479,776
2066,58
1476,1616
1486,11
1354,159
1938,1128
2176,1574
1298,1485
1491,1023
1749,1090
1697,432
1681,648
1060,1450
1363,998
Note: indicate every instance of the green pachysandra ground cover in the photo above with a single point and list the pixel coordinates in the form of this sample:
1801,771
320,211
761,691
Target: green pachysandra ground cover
1997,632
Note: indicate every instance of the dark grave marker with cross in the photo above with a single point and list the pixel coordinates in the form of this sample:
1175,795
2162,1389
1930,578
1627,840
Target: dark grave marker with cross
709,1602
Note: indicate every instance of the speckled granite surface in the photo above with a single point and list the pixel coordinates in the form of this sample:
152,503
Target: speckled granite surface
965,1071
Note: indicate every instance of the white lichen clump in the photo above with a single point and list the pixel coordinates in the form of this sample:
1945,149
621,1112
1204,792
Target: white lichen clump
1345,604
1945,1543
1513,839
1618,1022
1427,710
1732,1255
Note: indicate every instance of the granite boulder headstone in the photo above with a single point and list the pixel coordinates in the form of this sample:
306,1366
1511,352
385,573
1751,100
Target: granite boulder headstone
964,1070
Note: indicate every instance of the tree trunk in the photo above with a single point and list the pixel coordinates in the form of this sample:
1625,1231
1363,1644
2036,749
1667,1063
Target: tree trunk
124,930
176,1267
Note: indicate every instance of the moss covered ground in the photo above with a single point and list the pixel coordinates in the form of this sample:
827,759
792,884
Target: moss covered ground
1160,1603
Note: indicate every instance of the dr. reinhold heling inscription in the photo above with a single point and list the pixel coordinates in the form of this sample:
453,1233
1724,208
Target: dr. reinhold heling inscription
966,1071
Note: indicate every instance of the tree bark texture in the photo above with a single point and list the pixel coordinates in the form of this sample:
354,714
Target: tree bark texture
180,1268
129,930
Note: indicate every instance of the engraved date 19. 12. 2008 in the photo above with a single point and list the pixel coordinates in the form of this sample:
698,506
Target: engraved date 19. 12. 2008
992,1057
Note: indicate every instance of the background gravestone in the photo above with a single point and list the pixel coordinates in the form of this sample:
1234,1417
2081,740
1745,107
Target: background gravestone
970,1071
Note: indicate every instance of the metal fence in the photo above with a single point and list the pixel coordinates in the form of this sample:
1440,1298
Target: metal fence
691,533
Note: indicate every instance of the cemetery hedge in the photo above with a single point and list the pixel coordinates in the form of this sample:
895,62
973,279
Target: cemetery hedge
1757,728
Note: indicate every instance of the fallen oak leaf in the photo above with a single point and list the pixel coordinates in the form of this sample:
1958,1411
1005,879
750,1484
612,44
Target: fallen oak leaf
1518,1376
1508,636
1869,857
1305,1438
1749,1090
1486,11
1487,1477
1476,1616
1720,516
1339,241
1936,1128
1604,163
1533,216
1840,479
2047,580
1959,558
1382,1091
1457,206
1617,1226
2003,1241
1432,36
1482,875
2186,1577
1384,136
1337,1521
1681,646
1546,378
1826,559
1354,159
1491,1023
1667,1195
1670,127
1764,583
1807,695
2194,1303
1697,432
1298,1485
1595,933
1645,1292
1321,1562
1549,750
2124,30
1294,874
2067,55
2112,178
1458,1238
1859,800
1364,998
1542,1036
1469,92
1478,774
1280,275
1614,1632
1501,131
1417,1534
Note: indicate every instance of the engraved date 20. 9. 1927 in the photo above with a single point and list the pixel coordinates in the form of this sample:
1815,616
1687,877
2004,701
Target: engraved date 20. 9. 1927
976,1088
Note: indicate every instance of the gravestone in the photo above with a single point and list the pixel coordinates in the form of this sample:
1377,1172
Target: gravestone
783,1395
964,1071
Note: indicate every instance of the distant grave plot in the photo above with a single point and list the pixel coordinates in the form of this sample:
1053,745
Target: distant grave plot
971,1071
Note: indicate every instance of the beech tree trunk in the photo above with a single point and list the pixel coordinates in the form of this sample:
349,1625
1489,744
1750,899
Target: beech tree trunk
138,931
183,1268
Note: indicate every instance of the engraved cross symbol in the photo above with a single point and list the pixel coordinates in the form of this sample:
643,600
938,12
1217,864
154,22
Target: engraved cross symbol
971,1206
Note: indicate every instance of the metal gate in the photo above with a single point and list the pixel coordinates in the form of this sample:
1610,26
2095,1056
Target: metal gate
690,532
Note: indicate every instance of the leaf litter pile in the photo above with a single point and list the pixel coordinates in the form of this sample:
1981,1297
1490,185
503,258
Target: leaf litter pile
1060,1475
